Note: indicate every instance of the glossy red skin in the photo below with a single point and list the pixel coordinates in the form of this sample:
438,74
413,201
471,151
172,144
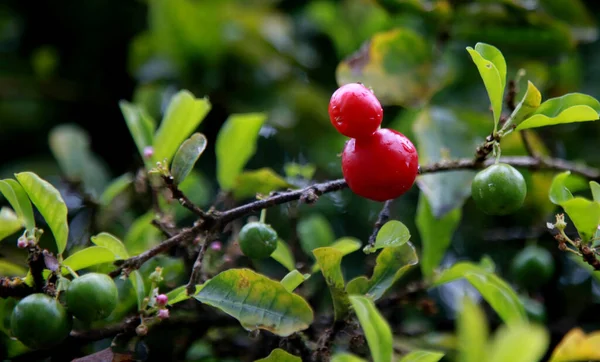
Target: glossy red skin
381,167
355,111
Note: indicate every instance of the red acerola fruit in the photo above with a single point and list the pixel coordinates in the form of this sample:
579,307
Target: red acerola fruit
381,167
355,111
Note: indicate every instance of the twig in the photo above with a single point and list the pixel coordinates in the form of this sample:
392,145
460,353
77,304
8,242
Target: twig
322,352
589,257
197,268
167,229
511,95
527,143
384,216
15,288
183,200
36,263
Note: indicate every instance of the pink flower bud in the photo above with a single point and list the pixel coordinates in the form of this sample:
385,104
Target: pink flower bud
162,299
22,243
148,151
216,246
163,314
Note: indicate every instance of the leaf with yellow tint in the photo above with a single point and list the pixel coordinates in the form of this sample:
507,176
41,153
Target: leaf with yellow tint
577,346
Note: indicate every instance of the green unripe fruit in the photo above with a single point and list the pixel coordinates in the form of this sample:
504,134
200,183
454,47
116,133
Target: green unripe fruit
258,240
40,321
92,297
532,266
499,189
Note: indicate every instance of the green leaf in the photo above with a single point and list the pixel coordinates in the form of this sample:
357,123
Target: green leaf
377,330
530,102
293,279
179,294
392,233
436,234
391,264
493,289
188,153
49,203
18,199
283,255
584,214
345,245
346,357
116,187
9,222
472,332
314,232
595,187
261,181
8,269
279,355
141,235
257,302
559,193
111,243
236,143
330,263
70,145
519,343
88,257
139,287
572,107
184,114
140,124
400,66
422,356
492,68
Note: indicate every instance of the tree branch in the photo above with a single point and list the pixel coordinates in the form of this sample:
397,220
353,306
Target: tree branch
384,216
183,200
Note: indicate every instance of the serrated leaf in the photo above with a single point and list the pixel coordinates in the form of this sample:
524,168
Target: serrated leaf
88,257
392,233
531,100
235,145
391,264
140,124
472,332
492,68
345,245
257,302
116,187
283,255
422,356
314,232
519,343
279,355
346,357
188,153
577,346
49,203
330,263
377,331
595,187
559,193
183,115
70,145
570,108
111,243
584,214
18,199
293,279
436,234
261,181
9,269
139,287
492,288
9,222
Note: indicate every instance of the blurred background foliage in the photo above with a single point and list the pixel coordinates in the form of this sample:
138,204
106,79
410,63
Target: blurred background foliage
71,62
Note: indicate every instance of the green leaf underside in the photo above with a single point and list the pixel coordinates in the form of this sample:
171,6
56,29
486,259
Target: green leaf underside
9,222
49,203
293,279
559,193
377,330
283,255
261,181
88,257
330,263
18,199
9,269
436,234
186,157
422,356
140,125
138,287
493,289
492,68
235,145
111,243
519,343
117,186
346,245
570,108
391,264
595,187
392,233
279,355
529,104
472,331
584,214
183,115
257,302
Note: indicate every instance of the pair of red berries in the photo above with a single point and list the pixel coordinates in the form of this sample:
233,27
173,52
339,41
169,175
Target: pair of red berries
378,163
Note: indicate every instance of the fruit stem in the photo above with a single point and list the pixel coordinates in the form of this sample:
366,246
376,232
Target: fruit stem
497,152
72,272
263,216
